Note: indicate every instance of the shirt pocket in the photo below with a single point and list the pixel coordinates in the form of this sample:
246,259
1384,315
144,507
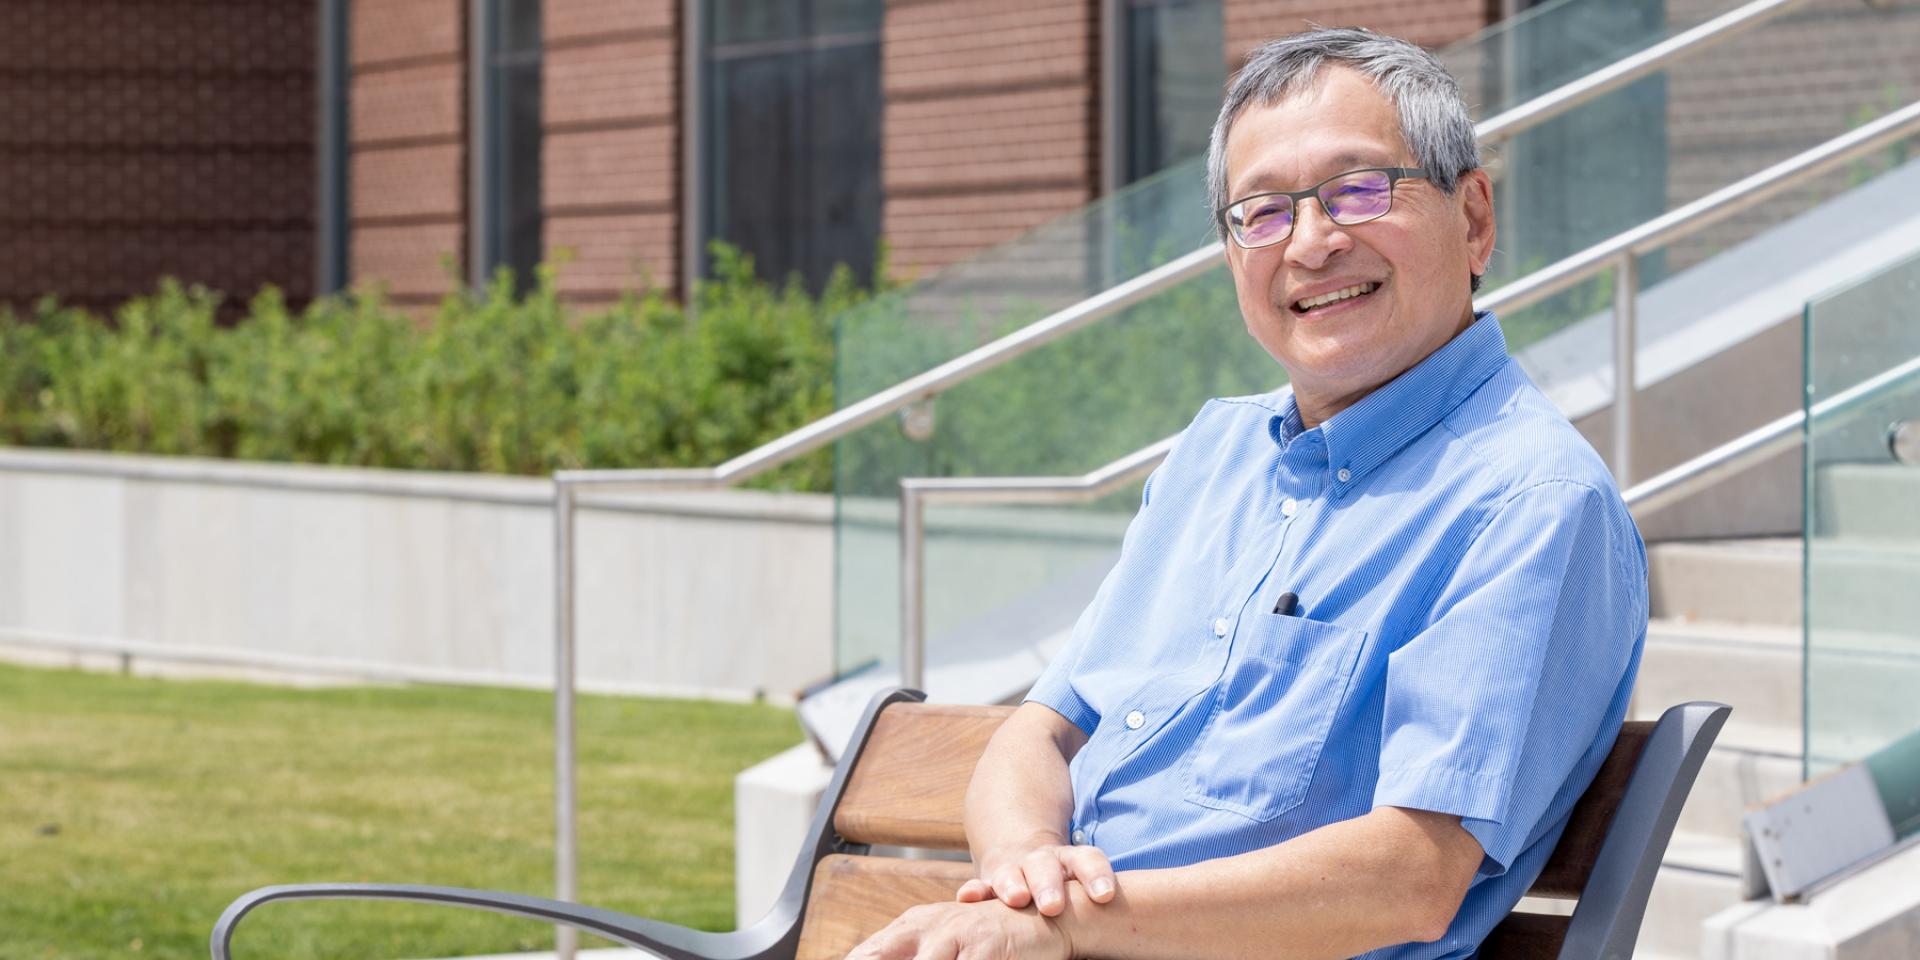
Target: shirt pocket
1271,715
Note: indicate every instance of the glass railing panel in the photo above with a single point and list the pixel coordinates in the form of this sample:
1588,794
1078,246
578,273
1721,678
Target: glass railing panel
1700,124
1862,527
1559,42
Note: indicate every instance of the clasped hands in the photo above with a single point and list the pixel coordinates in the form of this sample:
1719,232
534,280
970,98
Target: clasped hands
1007,913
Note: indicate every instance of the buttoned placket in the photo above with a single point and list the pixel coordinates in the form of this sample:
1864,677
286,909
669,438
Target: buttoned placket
1298,479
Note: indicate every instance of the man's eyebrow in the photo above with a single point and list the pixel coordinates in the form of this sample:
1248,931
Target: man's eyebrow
1262,180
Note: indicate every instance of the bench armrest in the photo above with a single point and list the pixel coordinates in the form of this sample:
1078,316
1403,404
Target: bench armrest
664,939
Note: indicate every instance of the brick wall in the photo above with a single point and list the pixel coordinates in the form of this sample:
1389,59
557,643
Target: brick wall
611,158
991,122
1430,23
150,138
408,175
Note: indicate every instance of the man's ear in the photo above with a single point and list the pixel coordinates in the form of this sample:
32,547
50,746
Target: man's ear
1476,193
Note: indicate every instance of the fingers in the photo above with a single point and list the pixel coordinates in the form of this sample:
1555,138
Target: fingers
1040,879
1010,886
1090,866
974,891
1046,877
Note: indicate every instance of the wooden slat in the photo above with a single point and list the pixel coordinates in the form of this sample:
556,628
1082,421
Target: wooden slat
1573,857
1525,936
909,788
853,897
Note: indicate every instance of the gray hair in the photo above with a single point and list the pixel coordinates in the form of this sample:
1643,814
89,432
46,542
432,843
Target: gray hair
1433,117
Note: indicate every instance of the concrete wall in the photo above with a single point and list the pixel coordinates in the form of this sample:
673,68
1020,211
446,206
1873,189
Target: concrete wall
411,575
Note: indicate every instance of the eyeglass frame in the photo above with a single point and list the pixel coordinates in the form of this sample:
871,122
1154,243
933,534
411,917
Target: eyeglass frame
1394,176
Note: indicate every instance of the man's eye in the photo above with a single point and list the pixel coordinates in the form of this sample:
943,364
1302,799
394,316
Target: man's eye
1264,211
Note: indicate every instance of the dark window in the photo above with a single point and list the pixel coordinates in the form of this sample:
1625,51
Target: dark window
510,188
791,128
1172,74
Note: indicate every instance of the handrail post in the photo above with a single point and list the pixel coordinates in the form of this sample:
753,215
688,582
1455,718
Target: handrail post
565,870
1626,288
913,586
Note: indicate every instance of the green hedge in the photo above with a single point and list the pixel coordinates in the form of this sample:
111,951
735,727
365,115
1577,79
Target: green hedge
489,382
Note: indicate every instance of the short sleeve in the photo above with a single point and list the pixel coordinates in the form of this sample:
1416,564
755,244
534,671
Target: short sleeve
1507,693
1055,688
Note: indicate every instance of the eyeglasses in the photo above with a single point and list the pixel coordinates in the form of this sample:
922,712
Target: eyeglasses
1356,196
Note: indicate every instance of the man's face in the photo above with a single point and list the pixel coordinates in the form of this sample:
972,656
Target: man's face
1417,258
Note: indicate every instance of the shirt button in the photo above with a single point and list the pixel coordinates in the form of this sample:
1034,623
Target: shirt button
1344,475
1136,720
1221,626
1290,506
1079,836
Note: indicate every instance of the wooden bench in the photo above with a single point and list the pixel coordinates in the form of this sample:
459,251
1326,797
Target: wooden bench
902,782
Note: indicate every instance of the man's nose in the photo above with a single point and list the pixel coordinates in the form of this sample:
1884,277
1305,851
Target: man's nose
1316,238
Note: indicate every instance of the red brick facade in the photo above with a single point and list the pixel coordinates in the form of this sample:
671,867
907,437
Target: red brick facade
176,137
611,184
408,173
151,138
1430,23
991,122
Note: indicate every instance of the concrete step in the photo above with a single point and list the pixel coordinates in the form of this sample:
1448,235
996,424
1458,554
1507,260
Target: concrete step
1856,584
1753,668
1861,685
1683,898
1871,501
1865,585
1726,581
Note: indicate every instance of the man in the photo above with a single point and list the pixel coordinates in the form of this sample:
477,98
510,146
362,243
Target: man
1369,636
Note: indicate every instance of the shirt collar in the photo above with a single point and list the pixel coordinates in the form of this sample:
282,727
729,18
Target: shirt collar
1364,435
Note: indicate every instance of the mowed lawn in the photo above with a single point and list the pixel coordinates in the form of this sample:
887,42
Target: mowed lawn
132,810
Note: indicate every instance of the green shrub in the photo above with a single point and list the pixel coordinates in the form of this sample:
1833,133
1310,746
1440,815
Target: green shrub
489,382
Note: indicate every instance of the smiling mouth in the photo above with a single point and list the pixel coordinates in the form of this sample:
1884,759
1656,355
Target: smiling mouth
1310,304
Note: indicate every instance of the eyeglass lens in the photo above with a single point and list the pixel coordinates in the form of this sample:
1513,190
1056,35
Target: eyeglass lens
1351,199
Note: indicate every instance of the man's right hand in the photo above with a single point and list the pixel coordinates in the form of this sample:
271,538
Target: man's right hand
1039,876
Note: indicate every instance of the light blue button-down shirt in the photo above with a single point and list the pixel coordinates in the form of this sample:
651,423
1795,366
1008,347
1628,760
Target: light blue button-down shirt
1472,604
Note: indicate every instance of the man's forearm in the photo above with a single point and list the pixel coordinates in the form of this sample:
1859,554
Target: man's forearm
1388,877
1020,796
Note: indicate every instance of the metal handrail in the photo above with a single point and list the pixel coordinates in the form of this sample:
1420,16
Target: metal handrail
1778,436
1617,253
845,421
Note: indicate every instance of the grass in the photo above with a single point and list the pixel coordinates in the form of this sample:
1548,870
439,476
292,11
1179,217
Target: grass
132,810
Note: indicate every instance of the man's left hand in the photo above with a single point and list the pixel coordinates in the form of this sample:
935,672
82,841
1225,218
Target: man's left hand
989,930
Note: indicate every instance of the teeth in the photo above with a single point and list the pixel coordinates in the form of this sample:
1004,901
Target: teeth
1326,298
